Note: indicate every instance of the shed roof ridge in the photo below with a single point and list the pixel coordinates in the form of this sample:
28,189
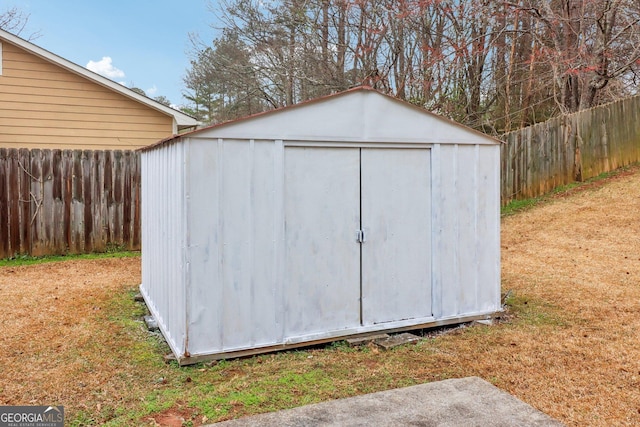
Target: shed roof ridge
362,88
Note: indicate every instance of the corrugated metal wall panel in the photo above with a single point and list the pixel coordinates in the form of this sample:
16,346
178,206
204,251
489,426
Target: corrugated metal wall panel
437,216
466,209
238,247
264,229
446,237
467,242
205,246
487,238
163,280
233,260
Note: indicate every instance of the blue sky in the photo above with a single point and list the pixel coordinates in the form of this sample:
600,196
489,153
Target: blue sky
147,40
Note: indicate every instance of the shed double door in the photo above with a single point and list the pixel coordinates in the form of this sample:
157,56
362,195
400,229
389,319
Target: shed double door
357,237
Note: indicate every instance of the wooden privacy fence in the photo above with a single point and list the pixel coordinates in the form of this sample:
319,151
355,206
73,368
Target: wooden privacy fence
570,148
64,201
68,201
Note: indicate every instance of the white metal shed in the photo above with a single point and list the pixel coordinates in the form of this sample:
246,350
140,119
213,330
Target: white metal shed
345,215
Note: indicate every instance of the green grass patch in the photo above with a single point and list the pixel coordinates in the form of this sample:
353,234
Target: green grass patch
532,312
83,418
270,382
218,395
19,260
515,206
144,348
218,390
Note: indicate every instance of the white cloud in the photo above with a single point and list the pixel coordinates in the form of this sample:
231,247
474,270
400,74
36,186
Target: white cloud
105,68
152,91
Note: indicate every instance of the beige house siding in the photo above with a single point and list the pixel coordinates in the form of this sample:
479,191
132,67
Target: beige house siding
43,105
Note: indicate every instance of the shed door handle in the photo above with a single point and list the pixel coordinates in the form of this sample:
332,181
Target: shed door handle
360,236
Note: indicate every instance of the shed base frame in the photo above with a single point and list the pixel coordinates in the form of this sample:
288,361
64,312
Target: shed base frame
301,341
192,359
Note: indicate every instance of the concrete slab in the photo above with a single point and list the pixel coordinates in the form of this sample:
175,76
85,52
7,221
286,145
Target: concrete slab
151,322
397,340
450,403
360,341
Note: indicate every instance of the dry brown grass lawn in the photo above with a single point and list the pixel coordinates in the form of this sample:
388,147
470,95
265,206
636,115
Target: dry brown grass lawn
571,346
54,334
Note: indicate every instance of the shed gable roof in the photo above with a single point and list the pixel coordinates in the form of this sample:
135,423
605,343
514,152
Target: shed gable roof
181,119
361,114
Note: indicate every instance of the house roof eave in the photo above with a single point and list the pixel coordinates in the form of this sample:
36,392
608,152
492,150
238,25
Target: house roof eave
183,120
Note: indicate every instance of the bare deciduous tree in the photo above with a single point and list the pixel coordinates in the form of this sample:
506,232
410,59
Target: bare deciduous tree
493,65
14,21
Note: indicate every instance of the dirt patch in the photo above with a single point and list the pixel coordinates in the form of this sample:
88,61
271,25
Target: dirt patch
570,348
599,182
178,417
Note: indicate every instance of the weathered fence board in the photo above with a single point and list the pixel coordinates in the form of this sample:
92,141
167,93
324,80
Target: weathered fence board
68,201
570,148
